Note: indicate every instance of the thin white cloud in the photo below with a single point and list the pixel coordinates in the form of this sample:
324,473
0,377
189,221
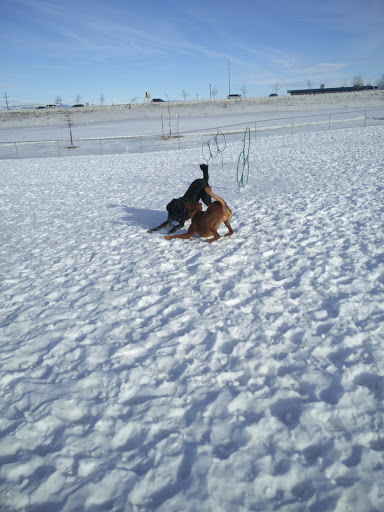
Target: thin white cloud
137,34
73,33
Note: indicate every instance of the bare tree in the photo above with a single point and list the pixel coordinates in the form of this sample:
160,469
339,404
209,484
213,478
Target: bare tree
244,90
102,98
309,83
276,87
132,101
357,81
78,98
184,94
380,82
214,92
58,101
169,114
68,120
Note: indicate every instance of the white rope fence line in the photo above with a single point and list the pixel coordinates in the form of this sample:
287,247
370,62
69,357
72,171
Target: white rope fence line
155,142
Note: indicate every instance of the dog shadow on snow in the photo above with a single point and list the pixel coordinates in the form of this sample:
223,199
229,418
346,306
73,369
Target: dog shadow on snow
143,217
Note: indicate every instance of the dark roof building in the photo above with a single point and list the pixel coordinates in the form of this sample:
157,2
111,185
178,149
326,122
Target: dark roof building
325,90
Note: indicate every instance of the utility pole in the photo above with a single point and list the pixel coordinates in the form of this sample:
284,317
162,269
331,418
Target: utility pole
229,76
6,100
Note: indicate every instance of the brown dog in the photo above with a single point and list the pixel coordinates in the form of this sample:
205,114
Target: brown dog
206,223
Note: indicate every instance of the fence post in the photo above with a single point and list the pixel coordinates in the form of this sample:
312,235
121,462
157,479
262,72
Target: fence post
365,118
101,151
329,122
255,129
292,126
141,146
58,148
17,154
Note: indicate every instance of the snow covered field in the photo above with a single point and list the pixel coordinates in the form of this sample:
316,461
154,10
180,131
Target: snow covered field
139,374
146,119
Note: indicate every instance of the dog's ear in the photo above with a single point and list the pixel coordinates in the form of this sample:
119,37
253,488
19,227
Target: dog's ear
194,207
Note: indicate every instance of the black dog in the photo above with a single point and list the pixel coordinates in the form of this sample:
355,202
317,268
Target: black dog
176,208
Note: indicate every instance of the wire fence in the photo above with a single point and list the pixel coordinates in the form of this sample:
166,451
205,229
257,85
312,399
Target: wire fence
190,139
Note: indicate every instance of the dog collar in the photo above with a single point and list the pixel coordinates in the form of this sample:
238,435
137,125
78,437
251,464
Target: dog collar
193,213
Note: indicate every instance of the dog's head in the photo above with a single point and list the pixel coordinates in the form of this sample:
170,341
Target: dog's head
192,208
176,209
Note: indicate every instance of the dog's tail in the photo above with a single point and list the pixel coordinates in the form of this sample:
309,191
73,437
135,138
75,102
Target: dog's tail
219,199
204,168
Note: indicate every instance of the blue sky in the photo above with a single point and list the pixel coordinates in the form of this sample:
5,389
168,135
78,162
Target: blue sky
122,49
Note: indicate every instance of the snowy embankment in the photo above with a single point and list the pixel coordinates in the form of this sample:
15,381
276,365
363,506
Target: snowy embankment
140,374
51,123
141,127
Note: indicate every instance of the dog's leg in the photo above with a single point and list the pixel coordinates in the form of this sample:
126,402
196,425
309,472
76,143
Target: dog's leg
216,236
175,228
185,236
230,230
168,222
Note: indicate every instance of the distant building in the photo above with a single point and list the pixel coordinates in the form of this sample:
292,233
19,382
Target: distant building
324,90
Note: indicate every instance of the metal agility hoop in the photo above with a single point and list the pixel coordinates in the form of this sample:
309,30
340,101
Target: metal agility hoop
243,166
213,147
